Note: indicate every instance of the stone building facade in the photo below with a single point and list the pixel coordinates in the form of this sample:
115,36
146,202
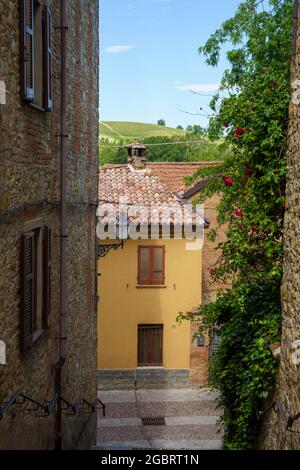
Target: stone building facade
30,200
281,426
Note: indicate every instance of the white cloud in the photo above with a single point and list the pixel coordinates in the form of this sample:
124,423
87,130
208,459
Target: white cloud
114,49
199,87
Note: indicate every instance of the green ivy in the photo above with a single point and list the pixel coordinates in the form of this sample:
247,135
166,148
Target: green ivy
251,109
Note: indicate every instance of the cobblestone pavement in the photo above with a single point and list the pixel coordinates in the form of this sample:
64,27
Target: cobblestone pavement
190,420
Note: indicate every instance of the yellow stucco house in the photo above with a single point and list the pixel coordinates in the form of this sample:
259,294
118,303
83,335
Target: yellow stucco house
148,275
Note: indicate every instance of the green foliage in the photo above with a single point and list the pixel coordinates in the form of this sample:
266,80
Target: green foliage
168,152
111,153
247,319
205,150
161,122
252,109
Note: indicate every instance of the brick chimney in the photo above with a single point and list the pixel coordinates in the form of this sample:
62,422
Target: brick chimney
137,155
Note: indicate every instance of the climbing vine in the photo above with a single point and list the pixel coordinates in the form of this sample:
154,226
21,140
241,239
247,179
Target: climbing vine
251,110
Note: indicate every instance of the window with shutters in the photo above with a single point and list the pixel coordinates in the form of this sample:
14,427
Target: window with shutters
151,265
36,54
35,282
150,345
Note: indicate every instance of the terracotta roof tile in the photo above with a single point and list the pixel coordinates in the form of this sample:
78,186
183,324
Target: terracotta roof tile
173,173
153,185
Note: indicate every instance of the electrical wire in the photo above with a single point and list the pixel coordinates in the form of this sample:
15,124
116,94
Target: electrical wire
191,142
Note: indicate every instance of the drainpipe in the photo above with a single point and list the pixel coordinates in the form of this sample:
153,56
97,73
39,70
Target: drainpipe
63,222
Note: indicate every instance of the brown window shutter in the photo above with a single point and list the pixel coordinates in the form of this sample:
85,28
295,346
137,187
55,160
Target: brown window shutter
27,289
143,265
47,52
46,275
158,265
27,49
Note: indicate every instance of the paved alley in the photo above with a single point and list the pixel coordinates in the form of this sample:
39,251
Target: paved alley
187,419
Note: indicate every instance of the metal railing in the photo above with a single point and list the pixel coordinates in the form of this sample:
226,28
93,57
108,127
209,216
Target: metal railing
32,405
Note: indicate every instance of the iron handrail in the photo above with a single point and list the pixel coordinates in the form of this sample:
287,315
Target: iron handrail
276,406
48,406
13,400
291,420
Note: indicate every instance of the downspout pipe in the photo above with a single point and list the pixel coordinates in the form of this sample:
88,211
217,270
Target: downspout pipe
63,221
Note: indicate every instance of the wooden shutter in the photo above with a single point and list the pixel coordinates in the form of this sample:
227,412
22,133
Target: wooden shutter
27,289
27,49
46,276
158,265
150,345
143,265
151,265
47,59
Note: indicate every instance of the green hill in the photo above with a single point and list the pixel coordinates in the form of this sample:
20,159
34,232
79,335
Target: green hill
115,130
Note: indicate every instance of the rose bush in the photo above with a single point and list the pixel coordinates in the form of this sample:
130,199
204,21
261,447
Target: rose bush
254,98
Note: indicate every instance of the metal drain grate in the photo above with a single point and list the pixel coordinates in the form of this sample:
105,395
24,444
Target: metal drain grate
153,421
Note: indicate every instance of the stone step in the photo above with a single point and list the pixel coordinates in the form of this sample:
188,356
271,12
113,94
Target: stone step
167,408
184,432
154,395
170,421
194,444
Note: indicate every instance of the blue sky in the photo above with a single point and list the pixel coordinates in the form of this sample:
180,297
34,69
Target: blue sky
149,58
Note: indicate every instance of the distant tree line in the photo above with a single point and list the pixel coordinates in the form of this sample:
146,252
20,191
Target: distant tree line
205,150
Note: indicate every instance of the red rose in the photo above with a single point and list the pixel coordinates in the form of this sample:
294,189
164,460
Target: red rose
226,124
238,213
228,181
239,132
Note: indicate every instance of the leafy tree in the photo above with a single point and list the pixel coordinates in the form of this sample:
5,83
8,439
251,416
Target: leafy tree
252,110
174,151
179,127
112,152
161,122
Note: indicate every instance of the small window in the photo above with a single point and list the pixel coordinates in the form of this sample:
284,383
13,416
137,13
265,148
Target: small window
150,345
151,265
35,282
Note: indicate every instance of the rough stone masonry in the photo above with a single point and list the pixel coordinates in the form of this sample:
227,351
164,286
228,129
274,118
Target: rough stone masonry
30,189
275,433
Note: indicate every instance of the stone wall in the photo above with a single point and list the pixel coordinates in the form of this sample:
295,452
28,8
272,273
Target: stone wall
274,433
30,188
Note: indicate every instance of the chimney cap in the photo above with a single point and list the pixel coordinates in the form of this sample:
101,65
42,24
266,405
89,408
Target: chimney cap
136,145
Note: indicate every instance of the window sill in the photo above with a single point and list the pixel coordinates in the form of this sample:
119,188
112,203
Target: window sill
37,107
155,286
